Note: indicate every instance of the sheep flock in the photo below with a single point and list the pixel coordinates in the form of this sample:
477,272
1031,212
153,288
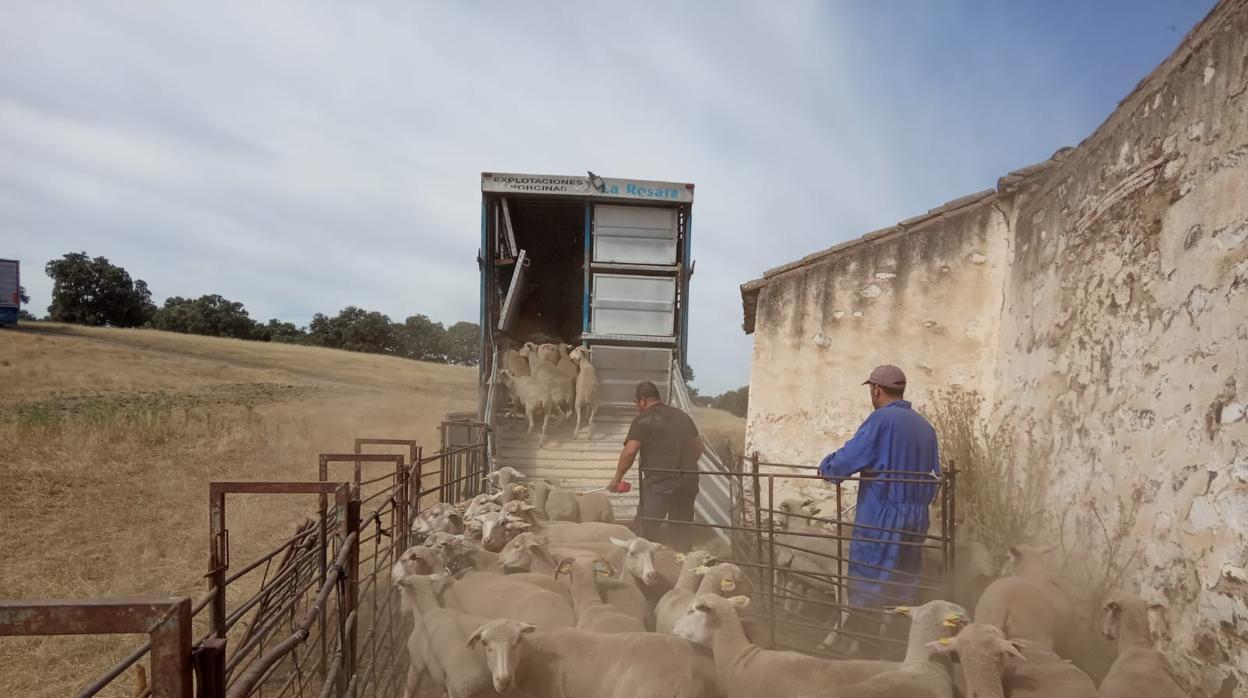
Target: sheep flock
551,380
506,599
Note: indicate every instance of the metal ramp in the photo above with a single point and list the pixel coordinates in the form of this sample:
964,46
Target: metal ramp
580,464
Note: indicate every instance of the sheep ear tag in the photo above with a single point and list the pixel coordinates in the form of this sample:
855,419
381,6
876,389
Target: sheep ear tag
727,585
680,557
955,621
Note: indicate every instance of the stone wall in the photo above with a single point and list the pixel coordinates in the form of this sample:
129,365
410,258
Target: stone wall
1099,302
1124,344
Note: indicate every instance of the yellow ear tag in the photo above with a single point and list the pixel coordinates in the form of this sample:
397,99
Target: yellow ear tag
727,584
902,610
954,620
680,557
945,642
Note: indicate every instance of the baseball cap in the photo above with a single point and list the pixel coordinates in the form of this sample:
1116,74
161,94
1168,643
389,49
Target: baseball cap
887,376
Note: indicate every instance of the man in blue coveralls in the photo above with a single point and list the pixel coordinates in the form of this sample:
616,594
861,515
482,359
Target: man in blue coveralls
894,453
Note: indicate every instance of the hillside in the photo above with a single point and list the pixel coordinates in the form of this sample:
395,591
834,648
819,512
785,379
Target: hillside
111,436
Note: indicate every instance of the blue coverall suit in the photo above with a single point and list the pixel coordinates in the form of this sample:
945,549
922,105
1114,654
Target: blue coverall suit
893,438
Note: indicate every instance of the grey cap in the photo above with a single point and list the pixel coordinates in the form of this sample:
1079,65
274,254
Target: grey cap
887,376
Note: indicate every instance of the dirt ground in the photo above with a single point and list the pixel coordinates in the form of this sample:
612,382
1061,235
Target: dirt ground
110,438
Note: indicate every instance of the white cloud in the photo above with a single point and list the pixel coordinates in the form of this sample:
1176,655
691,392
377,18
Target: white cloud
301,157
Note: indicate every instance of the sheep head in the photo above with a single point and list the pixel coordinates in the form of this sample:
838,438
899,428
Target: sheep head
418,560
548,353
585,566
982,649
519,554
1128,620
725,579
579,354
706,614
503,648
933,620
1034,561
639,560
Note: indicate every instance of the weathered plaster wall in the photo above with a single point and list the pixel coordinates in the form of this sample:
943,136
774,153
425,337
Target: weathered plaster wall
924,296
1124,343
1100,301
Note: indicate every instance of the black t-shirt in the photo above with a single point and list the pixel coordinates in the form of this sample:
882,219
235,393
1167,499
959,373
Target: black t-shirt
665,434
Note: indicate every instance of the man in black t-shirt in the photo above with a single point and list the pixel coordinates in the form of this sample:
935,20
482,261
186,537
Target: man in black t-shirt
670,447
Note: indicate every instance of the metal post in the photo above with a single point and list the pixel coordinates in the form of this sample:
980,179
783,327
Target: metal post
771,552
350,603
842,584
209,661
218,559
322,547
952,515
758,521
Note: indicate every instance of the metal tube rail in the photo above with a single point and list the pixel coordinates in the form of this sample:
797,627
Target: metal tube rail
247,681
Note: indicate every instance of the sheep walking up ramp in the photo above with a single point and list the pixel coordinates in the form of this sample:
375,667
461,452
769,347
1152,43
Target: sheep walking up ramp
582,463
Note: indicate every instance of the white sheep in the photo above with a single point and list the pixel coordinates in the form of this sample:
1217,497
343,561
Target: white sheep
592,613
983,651
518,365
438,644
501,596
534,394
1139,670
567,505
561,385
1028,605
588,389
570,663
746,670
437,518
497,527
806,563
1040,672
565,533
676,601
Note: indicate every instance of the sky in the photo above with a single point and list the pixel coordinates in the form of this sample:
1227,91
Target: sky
301,157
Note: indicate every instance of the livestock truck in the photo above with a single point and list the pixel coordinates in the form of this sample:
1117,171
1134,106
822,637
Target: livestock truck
598,262
10,292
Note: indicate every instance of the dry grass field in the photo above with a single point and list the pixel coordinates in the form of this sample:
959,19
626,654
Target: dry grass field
108,439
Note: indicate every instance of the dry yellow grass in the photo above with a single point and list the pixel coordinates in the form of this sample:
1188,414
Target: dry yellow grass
108,439
724,430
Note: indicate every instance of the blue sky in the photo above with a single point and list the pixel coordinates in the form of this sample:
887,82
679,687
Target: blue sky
301,157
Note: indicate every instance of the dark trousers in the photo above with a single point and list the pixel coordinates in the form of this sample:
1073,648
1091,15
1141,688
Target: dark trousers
670,499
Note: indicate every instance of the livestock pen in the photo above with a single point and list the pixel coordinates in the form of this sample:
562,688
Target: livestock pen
317,613
818,620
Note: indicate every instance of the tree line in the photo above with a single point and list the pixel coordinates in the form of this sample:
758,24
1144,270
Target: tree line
93,291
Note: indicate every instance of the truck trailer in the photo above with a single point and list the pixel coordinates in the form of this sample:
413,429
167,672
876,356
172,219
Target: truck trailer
598,262
10,292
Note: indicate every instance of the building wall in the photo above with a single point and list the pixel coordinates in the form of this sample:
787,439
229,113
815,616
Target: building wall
1124,345
1100,304
924,297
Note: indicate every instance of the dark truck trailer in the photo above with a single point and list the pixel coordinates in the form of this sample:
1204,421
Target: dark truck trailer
593,261
10,292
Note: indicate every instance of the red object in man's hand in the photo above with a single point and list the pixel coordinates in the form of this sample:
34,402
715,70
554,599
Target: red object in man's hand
622,487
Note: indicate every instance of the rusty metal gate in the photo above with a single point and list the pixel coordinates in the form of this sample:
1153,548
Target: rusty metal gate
804,607
316,615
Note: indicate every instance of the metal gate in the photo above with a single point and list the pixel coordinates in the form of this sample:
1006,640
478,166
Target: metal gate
316,615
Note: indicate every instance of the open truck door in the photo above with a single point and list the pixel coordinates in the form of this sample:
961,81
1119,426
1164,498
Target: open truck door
515,294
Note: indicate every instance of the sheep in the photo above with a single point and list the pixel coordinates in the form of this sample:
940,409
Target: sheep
505,476
810,563
561,385
982,650
528,552
1139,670
439,517
1040,673
564,533
571,663
418,559
592,613
464,553
1028,605
500,596
438,646
587,389
746,670
518,365
497,528
534,394
567,505
676,601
